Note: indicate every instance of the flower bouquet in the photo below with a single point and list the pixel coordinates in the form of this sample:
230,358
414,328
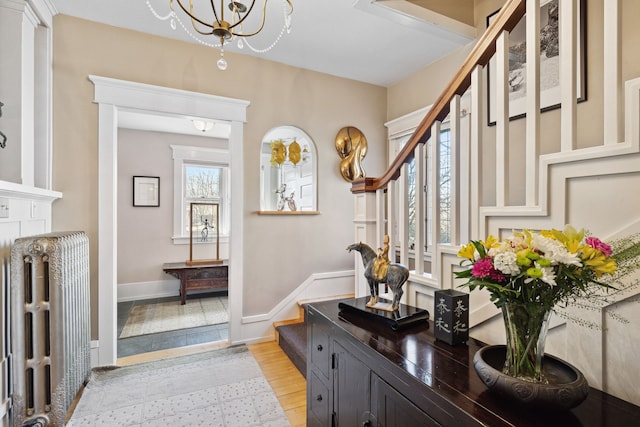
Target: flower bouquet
531,273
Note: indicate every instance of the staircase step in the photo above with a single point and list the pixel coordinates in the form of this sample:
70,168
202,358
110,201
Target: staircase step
292,334
292,338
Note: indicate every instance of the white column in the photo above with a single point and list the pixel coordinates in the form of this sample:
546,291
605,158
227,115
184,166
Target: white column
533,102
366,231
568,67
502,118
611,79
24,89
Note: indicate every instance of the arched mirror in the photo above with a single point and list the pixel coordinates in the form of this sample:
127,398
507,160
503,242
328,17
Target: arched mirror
288,172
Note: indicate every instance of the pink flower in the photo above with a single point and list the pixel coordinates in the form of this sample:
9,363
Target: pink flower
483,269
598,244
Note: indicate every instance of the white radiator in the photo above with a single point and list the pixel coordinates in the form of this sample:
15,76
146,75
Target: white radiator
5,388
50,326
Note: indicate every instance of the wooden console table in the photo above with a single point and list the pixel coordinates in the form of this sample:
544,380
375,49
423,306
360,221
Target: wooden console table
362,373
203,276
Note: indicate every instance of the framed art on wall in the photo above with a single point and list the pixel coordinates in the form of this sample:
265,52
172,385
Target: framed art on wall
146,191
549,63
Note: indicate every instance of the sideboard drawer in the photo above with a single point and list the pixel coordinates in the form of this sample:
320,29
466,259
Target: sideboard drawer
318,335
206,284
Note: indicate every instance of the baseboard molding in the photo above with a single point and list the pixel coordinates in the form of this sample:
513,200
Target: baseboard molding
148,290
259,328
333,283
95,355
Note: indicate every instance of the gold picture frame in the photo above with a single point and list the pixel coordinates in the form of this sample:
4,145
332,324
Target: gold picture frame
204,223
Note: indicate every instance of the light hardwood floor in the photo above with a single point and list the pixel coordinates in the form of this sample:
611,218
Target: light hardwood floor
287,382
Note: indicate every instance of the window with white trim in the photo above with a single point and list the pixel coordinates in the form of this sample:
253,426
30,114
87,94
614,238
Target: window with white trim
443,185
200,175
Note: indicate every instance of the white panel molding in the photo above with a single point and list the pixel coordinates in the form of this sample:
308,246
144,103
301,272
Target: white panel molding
259,327
548,162
555,170
137,291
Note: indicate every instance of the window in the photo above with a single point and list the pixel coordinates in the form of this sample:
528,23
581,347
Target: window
203,183
443,184
200,175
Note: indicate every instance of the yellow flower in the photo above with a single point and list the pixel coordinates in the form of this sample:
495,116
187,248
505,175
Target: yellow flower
597,261
467,251
491,242
573,234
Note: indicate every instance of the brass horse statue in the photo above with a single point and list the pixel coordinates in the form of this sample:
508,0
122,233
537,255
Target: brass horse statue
395,276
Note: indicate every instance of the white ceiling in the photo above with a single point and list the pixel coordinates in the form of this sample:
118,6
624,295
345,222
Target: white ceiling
378,42
373,41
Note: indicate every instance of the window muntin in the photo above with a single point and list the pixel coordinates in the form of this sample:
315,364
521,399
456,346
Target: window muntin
205,184
215,190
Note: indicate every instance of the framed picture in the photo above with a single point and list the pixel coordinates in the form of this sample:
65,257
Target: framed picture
204,224
549,63
146,191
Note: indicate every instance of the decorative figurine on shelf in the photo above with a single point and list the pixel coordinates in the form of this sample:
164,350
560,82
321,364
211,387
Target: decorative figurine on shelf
282,200
291,202
381,264
394,275
3,137
204,234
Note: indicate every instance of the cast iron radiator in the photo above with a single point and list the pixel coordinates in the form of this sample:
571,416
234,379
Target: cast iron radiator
50,326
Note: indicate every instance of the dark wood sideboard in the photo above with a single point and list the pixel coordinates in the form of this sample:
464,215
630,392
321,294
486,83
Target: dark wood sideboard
200,277
362,373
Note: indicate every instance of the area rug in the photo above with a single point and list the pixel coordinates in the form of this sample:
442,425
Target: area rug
223,388
171,316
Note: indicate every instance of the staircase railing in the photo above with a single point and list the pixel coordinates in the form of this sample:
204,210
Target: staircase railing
388,206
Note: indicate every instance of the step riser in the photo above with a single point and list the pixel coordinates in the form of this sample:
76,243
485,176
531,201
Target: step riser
292,339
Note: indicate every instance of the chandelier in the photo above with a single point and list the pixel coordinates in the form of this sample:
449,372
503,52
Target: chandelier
224,22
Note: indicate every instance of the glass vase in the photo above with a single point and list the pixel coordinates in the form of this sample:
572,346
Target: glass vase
526,325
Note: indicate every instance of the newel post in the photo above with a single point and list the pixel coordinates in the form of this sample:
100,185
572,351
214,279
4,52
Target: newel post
368,226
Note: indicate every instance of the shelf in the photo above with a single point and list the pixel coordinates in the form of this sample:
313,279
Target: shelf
288,213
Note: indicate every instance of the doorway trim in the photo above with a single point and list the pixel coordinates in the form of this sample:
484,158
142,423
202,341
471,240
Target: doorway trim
112,96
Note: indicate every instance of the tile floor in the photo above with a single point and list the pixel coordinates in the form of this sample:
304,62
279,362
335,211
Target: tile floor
165,340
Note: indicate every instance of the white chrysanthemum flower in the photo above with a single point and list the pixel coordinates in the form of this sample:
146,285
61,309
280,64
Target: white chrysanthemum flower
503,247
548,275
555,251
505,262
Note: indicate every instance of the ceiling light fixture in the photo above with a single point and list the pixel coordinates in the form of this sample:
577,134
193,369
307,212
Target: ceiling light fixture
224,22
202,125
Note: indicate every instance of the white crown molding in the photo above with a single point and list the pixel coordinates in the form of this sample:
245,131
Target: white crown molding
407,14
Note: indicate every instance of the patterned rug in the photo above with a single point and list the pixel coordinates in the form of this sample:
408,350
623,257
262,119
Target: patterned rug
224,388
170,316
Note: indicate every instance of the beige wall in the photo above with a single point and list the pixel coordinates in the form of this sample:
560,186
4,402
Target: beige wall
461,10
280,252
145,233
